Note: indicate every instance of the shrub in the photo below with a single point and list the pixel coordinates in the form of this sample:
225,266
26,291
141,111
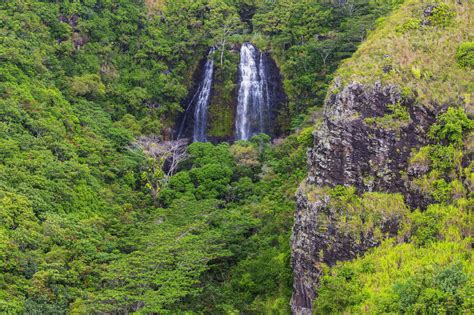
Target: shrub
411,24
305,138
441,190
451,278
405,279
425,227
465,55
87,85
444,158
442,15
451,126
416,72
396,117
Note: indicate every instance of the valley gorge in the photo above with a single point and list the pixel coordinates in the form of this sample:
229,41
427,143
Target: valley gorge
236,157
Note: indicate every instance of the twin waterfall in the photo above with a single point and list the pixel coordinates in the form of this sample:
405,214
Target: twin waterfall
253,108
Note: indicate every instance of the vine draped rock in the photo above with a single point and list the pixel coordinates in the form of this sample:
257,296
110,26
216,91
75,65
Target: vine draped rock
352,152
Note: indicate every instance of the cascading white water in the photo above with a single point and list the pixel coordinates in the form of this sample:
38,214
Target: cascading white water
253,104
203,96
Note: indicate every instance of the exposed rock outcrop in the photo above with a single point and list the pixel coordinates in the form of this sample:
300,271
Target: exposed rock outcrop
350,151
365,141
328,232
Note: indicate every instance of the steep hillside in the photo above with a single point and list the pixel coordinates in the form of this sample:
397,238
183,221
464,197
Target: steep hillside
103,211
78,82
395,136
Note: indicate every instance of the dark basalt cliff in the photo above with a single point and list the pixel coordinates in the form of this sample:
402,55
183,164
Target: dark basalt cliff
277,96
365,144
349,150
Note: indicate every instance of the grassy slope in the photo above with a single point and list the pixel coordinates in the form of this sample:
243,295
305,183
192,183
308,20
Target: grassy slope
422,58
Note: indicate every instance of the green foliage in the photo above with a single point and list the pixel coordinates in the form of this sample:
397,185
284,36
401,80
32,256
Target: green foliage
254,222
87,85
309,39
414,58
443,163
78,81
397,117
427,274
451,126
438,223
363,216
433,294
465,55
305,138
400,278
168,258
442,15
444,158
80,231
409,25
416,71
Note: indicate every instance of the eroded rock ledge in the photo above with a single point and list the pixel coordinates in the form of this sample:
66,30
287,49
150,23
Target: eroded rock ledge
366,139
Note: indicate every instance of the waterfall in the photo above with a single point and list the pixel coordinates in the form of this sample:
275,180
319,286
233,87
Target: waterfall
253,103
203,97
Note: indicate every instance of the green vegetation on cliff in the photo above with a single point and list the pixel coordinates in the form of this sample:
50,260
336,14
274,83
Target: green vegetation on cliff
424,49
309,39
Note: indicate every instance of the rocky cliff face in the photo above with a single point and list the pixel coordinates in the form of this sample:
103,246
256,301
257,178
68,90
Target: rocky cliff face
277,95
365,141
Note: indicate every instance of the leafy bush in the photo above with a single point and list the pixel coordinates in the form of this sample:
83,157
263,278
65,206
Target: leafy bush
87,85
444,158
451,126
432,293
400,279
429,274
416,71
397,117
438,222
305,138
411,24
442,15
465,55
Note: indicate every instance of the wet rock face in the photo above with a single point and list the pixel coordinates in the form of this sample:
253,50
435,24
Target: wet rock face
185,121
276,93
348,150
